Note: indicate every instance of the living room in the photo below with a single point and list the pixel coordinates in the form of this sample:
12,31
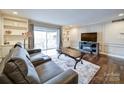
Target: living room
87,44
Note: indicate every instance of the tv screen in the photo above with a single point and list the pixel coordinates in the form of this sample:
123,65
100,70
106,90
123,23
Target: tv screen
89,37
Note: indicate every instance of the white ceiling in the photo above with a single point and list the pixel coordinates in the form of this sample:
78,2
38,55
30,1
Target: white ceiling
68,16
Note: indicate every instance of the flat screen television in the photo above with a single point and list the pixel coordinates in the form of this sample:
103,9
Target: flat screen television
89,37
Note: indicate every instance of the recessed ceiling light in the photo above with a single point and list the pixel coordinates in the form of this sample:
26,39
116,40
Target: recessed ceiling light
121,14
15,13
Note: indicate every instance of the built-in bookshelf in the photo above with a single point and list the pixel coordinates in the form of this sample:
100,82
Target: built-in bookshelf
11,30
66,37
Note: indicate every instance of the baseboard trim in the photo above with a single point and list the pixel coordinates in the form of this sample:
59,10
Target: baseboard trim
122,57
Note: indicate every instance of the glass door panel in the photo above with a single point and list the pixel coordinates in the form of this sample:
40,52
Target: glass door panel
40,40
51,40
45,39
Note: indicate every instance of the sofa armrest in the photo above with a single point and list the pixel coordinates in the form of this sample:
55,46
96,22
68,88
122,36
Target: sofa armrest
31,51
67,77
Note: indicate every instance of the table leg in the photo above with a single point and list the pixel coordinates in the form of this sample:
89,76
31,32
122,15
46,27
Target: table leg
75,65
59,55
81,62
81,59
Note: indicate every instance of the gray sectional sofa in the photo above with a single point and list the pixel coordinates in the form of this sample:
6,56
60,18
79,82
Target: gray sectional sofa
23,66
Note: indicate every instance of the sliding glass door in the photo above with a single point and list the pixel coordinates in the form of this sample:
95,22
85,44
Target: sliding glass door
40,39
51,40
45,39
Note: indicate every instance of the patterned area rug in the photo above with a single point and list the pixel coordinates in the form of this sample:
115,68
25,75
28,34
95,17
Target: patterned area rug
86,71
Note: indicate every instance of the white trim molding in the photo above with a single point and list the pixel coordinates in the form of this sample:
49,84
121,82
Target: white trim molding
112,55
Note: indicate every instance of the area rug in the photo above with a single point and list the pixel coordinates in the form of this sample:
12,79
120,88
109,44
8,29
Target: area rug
86,71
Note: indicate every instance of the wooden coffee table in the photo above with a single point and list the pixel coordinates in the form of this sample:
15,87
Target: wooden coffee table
72,53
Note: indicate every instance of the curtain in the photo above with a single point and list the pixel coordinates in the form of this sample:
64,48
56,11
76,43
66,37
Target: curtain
31,39
60,38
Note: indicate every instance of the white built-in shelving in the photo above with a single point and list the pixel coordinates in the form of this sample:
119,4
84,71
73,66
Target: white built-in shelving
11,29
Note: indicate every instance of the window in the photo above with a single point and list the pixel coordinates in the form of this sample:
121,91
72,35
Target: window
45,38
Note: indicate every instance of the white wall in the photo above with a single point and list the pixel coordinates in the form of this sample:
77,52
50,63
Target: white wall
66,37
43,24
0,29
110,36
74,37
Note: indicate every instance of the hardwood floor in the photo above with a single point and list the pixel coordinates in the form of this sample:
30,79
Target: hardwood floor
111,71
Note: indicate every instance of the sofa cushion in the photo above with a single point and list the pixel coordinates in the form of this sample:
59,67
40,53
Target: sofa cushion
19,44
48,70
4,79
16,71
39,58
27,54
67,77
19,69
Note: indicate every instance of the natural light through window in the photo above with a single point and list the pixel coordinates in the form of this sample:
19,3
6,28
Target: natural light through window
45,39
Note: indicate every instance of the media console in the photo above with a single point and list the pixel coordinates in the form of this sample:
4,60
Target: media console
89,47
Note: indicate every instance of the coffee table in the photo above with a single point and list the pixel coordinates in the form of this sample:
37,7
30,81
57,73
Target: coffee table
72,53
